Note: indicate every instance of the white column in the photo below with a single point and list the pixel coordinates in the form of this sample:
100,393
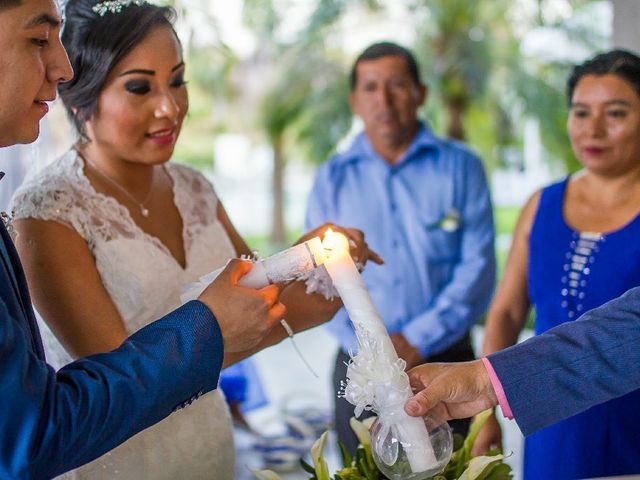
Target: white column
626,19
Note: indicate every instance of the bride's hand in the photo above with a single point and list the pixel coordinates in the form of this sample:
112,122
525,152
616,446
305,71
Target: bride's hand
360,251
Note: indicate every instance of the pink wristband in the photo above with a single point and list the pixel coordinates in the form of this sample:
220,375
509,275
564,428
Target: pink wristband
497,387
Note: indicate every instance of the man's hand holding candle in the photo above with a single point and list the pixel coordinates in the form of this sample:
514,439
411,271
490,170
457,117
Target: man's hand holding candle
450,390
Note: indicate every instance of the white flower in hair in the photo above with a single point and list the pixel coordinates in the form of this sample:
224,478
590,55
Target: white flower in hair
115,6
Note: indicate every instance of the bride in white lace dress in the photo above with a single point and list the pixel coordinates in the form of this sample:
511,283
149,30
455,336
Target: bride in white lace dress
111,232
143,280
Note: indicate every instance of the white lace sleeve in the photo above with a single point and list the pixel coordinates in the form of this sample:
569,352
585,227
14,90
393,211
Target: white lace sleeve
53,195
44,201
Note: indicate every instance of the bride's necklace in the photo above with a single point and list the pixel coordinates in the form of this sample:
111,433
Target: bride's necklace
144,211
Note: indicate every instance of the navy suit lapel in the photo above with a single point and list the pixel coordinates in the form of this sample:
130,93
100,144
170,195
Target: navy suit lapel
9,267
19,302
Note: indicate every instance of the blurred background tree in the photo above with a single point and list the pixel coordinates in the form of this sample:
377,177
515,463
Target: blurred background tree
301,105
489,67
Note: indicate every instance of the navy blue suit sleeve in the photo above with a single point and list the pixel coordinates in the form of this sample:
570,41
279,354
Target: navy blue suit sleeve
573,366
51,422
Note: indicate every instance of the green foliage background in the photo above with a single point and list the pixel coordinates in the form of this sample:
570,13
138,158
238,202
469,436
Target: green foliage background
291,91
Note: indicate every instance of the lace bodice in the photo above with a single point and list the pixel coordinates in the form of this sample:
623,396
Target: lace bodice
144,282
141,276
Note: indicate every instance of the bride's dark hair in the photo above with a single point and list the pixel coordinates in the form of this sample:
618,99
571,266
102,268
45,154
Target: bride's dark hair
96,43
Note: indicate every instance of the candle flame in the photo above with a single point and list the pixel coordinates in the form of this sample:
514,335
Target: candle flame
335,242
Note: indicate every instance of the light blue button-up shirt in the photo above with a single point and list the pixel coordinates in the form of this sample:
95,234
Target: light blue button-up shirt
430,218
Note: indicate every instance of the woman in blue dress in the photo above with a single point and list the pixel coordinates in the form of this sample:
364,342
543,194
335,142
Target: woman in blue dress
576,247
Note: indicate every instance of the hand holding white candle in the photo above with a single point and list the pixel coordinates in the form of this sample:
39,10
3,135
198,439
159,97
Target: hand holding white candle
282,267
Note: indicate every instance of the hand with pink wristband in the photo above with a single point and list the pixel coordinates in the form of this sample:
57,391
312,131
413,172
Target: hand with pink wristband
549,377
453,390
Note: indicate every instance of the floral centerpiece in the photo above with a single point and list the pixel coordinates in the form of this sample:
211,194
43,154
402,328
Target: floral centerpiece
462,466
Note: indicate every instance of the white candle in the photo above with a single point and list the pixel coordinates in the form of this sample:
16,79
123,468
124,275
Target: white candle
375,369
285,266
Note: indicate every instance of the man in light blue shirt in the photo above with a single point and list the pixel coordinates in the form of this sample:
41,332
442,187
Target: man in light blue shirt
424,205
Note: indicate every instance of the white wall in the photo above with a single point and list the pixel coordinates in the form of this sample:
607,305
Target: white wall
626,18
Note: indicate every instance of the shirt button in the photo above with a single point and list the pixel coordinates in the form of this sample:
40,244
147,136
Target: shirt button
394,207
395,243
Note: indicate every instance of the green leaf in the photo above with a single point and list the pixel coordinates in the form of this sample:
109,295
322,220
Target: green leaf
458,441
350,473
463,456
365,464
501,471
474,429
364,469
459,460
321,468
360,454
361,461
477,467
492,452
265,475
306,467
361,431
347,459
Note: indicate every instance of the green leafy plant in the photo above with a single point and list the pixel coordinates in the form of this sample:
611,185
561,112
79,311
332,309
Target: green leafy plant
462,466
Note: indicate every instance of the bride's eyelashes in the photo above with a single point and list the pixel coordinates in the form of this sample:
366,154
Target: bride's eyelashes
179,81
138,87
142,87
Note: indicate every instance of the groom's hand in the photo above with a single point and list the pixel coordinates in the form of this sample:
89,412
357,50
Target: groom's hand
245,315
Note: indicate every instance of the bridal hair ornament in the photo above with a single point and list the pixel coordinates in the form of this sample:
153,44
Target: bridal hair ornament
115,6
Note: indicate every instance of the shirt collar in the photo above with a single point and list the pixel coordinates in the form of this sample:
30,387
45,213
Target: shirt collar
361,147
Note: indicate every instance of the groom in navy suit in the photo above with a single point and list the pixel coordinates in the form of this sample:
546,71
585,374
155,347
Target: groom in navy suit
51,422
